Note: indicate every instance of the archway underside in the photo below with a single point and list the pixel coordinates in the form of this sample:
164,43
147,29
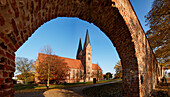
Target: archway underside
117,19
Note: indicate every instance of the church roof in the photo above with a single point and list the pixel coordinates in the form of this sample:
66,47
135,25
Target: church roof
87,40
95,67
72,63
79,47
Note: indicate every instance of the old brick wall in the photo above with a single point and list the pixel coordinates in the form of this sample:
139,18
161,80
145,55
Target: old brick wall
147,65
20,18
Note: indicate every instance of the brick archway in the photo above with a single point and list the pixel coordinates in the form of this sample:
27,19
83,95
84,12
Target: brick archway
116,18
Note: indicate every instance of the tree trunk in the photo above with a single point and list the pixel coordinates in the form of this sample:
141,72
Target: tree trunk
25,81
48,81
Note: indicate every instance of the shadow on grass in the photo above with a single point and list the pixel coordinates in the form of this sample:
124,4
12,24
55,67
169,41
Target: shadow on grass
108,90
22,86
161,90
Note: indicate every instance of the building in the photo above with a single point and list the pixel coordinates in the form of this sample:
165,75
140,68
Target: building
80,69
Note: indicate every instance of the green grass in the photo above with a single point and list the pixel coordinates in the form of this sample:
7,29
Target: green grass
34,87
22,86
108,90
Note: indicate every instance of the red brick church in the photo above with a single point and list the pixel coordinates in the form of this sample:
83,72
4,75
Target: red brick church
82,65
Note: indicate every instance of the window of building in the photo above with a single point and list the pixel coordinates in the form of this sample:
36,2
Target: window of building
77,74
89,54
73,74
88,58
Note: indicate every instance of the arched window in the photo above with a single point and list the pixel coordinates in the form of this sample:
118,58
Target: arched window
89,54
77,73
88,58
73,74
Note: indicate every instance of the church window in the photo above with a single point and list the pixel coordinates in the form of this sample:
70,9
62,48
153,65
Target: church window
77,73
73,74
88,58
88,54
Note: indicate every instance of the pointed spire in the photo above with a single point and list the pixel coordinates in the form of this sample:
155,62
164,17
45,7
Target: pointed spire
87,39
79,47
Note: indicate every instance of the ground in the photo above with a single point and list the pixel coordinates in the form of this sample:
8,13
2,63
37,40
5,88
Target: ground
162,89
108,89
60,92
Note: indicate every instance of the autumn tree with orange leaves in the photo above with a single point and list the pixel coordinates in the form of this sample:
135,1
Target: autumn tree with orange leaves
51,67
158,19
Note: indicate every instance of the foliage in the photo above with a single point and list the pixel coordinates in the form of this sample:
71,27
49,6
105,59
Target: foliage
58,68
107,75
30,78
158,19
25,67
118,68
51,67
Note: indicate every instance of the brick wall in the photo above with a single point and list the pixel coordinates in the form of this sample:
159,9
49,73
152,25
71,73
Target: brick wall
148,68
20,18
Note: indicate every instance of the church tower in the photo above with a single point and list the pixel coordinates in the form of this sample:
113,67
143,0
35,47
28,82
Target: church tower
79,51
87,58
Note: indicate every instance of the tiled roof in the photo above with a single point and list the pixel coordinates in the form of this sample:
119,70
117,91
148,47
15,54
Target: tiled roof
95,67
72,63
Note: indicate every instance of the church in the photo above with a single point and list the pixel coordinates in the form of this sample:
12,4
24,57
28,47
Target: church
80,69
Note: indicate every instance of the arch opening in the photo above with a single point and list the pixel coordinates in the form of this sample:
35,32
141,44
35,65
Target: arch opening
63,35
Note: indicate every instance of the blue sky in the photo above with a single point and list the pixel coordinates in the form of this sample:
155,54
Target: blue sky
63,35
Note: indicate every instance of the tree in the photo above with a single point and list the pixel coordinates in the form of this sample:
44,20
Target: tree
158,19
24,66
51,67
30,78
107,75
118,68
47,50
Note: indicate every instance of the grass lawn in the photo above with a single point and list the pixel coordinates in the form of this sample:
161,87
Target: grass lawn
115,90
34,87
108,90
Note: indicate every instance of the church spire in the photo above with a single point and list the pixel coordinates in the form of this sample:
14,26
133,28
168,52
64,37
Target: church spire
87,39
79,47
